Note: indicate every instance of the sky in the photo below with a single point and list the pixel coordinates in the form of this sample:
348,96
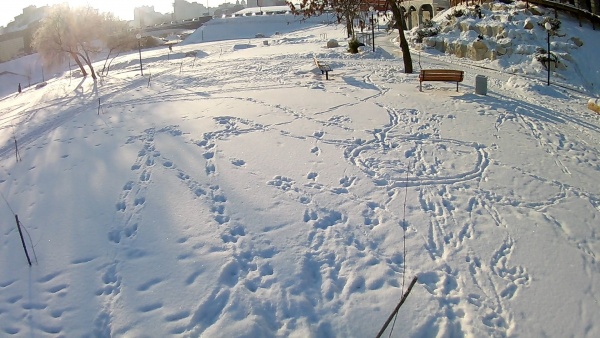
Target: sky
231,190
122,8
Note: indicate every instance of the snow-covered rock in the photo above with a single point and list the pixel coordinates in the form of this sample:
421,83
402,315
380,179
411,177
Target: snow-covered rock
594,104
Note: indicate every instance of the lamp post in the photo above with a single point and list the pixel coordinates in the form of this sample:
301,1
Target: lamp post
548,27
139,37
372,10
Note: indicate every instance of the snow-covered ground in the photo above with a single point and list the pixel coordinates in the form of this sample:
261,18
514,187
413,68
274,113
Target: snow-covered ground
240,194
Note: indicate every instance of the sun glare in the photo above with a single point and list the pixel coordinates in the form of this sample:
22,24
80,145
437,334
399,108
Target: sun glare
120,8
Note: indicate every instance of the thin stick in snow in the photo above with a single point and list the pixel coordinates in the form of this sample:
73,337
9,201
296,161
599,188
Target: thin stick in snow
22,240
17,155
98,106
404,226
402,300
150,77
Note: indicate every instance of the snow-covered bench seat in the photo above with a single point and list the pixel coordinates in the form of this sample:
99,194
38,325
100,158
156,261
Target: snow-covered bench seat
323,67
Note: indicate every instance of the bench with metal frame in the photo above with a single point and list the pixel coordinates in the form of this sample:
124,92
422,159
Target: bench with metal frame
323,67
440,75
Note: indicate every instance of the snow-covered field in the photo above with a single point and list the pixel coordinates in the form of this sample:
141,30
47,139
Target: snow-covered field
240,194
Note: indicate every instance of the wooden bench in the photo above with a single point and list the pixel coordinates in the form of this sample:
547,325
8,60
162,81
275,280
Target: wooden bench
440,75
323,67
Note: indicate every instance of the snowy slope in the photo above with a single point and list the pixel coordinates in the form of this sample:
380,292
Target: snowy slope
242,195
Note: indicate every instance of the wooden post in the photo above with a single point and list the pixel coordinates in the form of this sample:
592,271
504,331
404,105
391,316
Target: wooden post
387,322
22,240
17,155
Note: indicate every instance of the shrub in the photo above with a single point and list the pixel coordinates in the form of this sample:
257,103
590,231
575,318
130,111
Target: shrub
555,23
353,45
457,13
541,55
150,42
427,28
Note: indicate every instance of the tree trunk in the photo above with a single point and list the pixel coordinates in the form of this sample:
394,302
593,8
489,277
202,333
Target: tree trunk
408,68
110,63
349,27
106,61
91,68
76,58
88,61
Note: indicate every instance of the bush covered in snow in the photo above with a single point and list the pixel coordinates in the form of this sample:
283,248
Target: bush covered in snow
427,28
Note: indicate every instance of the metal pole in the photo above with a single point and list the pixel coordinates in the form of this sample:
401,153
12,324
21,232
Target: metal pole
140,51
548,57
373,31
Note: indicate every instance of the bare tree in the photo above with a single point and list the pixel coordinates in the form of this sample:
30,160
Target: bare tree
117,38
349,9
73,33
344,9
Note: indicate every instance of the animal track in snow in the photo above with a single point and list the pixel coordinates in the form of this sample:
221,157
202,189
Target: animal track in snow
283,183
323,218
517,276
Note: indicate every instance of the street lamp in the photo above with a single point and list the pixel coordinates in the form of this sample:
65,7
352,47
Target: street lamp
548,27
139,37
372,10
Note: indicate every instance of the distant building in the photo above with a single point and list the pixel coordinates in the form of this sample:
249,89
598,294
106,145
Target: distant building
15,39
184,10
30,15
265,3
228,9
145,16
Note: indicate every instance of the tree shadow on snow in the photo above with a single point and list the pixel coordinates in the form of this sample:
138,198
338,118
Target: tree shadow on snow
359,83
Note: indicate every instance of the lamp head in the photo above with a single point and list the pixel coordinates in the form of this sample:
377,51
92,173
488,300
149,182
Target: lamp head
548,26
138,36
371,8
